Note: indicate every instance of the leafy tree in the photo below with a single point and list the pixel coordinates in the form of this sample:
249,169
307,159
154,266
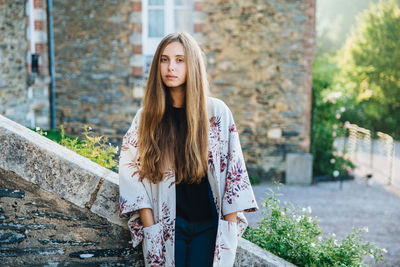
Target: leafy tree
369,64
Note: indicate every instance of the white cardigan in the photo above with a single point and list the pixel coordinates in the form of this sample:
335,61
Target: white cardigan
228,180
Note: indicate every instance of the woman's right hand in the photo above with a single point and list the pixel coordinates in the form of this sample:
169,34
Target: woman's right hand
146,216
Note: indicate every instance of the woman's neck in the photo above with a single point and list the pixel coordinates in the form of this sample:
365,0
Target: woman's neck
177,96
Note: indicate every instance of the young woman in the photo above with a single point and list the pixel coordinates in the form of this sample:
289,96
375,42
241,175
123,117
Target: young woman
183,180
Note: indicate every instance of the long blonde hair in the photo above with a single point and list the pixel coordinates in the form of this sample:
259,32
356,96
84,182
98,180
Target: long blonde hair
157,141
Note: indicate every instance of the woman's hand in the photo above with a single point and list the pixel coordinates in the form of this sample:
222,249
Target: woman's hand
146,216
231,217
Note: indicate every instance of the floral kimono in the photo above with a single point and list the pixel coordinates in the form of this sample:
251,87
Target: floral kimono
228,180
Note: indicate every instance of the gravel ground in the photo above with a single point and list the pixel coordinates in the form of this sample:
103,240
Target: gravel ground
374,205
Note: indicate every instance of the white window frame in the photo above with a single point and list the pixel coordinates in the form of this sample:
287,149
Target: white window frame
149,45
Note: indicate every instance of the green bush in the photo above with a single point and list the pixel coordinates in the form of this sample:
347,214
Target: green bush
327,121
292,234
97,149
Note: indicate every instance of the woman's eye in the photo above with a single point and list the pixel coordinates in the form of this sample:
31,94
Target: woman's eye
163,60
180,59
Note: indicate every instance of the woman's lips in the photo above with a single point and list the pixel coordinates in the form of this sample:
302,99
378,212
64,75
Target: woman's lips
171,77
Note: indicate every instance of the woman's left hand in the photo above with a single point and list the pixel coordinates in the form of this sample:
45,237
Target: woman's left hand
231,217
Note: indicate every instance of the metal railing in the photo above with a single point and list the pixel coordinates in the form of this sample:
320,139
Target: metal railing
372,157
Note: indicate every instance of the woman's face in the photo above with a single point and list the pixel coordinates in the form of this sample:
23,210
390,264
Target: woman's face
173,66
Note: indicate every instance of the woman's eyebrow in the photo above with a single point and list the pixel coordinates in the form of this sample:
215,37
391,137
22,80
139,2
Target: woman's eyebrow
175,56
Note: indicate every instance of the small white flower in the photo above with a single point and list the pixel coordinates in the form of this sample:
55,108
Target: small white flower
309,209
282,213
319,238
335,173
288,234
384,250
337,116
365,229
335,242
90,128
333,235
313,244
332,161
342,109
116,149
45,133
303,209
347,124
37,128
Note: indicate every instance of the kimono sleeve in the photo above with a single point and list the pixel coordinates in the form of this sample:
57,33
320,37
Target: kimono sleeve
132,193
238,193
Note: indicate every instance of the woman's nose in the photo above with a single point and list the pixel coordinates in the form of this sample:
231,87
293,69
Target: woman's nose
171,66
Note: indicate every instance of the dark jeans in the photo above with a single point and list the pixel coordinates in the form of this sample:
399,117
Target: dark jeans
194,243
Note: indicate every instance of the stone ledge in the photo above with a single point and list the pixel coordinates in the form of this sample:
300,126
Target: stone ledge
20,149
249,254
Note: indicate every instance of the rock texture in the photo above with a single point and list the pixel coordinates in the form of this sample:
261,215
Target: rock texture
259,60
92,64
13,77
40,227
24,95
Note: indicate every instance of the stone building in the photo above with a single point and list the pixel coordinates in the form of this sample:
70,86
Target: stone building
24,76
259,57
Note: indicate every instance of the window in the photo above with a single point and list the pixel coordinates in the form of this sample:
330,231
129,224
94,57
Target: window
161,17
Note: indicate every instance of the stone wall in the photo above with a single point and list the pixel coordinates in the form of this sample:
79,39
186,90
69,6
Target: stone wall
39,227
92,65
259,56
24,95
13,45
259,62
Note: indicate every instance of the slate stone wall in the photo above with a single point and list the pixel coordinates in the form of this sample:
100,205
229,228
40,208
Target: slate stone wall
40,228
92,55
13,89
260,57
24,96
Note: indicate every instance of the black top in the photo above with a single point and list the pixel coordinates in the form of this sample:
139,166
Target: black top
192,200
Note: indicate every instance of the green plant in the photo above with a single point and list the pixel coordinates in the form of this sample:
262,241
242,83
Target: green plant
327,124
97,149
254,179
292,234
369,64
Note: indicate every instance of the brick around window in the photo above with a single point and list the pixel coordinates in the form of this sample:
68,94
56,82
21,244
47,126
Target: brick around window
136,6
39,25
40,48
38,4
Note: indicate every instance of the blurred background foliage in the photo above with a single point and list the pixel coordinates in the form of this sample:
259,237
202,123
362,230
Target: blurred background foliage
357,81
